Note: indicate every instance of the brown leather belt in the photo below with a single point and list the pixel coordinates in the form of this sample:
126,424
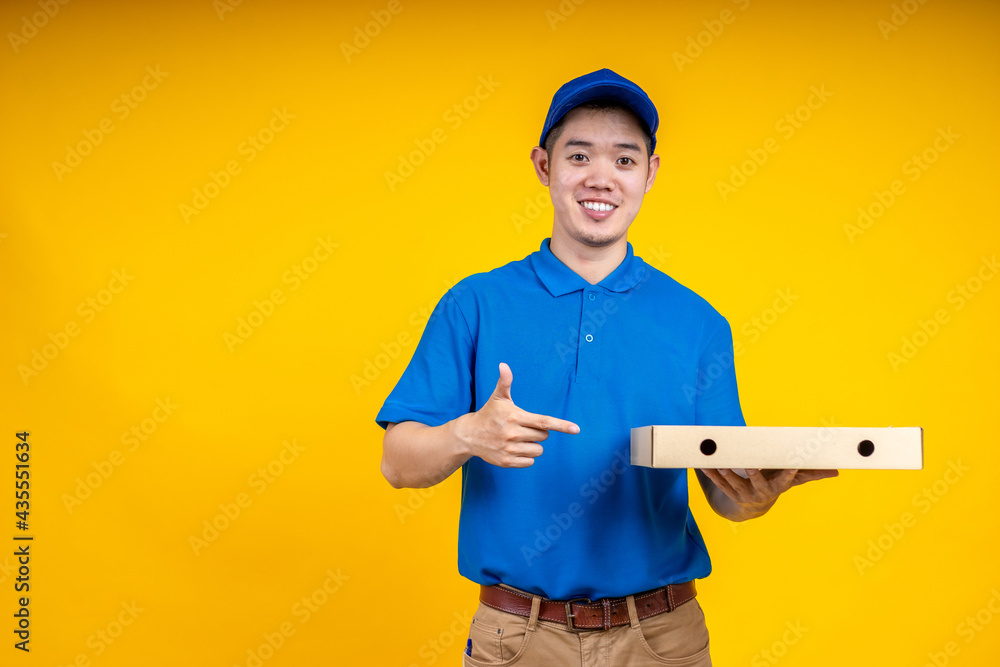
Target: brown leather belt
581,614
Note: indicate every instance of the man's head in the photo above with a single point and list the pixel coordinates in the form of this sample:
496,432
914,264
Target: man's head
595,157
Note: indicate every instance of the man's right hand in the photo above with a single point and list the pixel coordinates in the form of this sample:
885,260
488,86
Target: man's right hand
505,435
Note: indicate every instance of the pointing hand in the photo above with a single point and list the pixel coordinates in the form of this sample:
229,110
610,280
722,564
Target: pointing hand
505,435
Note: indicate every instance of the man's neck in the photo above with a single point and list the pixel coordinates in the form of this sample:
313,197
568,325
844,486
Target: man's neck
592,264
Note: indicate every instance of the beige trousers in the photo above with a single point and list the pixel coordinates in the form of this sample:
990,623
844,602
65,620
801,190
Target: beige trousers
678,637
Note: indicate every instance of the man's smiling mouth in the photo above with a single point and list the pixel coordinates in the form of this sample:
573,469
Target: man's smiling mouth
598,206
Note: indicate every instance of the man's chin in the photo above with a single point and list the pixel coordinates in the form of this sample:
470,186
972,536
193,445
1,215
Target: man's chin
599,241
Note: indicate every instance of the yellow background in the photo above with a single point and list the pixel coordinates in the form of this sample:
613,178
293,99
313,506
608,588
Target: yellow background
399,599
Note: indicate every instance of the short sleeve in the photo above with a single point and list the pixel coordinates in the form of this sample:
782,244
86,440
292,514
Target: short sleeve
437,385
718,400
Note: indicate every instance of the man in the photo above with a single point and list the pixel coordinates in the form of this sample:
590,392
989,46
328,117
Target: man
582,558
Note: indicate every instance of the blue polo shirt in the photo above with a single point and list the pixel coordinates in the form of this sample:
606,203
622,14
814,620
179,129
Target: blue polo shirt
638,348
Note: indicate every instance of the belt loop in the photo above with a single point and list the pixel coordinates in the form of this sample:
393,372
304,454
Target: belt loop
633,615
536,603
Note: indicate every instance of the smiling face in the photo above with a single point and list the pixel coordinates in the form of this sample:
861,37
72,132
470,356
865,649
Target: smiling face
597,173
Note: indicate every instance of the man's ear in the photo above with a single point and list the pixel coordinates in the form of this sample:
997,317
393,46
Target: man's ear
654,164
540,158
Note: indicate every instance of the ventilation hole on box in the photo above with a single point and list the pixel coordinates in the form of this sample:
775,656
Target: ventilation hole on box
866,448
708,447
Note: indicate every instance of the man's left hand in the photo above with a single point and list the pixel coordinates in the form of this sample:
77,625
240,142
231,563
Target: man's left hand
756,494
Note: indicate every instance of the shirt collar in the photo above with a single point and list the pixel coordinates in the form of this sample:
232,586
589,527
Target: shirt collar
559,279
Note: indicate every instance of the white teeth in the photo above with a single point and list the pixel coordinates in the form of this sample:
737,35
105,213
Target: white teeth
597,206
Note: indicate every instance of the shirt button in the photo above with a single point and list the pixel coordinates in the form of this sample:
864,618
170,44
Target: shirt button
592,296
590,338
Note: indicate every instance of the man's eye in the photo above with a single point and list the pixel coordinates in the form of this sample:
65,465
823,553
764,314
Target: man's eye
575,157
626,161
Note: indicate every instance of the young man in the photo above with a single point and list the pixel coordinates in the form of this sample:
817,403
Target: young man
582,558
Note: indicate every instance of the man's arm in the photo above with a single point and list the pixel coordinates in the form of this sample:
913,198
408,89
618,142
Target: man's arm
739,499
417,455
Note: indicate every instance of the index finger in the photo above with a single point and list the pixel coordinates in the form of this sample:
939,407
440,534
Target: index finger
547,423
813,475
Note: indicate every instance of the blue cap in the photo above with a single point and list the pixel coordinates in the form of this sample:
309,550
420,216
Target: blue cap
602,84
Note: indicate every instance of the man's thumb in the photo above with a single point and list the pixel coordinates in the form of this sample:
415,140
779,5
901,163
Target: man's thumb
503,384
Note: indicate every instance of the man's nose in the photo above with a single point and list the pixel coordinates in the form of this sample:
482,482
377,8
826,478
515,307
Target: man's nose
600,176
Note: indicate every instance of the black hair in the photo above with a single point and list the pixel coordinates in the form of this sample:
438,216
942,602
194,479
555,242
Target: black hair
602,105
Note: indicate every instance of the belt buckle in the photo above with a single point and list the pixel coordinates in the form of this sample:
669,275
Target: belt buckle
569,614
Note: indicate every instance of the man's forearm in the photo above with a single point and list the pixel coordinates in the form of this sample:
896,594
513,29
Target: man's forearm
415,455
